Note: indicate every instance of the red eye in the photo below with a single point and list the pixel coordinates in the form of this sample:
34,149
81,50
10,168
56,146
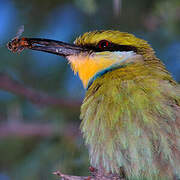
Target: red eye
103,44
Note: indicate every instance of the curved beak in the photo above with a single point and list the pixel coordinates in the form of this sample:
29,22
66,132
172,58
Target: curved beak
47,45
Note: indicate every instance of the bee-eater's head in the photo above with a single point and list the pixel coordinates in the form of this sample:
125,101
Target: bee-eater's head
105,50
94,53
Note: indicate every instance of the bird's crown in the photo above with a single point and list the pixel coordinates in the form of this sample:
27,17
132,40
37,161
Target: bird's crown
112,41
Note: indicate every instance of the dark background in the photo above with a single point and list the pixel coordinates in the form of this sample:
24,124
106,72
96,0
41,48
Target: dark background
39,95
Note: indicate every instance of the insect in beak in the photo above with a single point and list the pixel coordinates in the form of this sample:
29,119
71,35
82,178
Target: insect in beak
60,48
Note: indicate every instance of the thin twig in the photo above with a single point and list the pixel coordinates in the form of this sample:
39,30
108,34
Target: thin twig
69,177
95,175
117,6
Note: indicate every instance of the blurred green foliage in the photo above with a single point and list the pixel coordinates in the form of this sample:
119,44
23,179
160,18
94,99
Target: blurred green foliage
35,156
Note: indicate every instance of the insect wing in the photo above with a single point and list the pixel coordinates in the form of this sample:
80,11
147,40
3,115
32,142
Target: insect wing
19,32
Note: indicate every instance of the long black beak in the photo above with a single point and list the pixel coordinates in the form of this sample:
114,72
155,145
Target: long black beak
46,45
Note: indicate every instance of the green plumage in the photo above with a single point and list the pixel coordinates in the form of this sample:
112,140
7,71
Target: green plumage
130,120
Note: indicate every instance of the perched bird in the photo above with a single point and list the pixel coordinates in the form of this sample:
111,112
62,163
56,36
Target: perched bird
131,111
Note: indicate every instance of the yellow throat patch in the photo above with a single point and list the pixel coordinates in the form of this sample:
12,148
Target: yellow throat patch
88,65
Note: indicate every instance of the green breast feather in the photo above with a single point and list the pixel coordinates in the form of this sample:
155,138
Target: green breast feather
130,121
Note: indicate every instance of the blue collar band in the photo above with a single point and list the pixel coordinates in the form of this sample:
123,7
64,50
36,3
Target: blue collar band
104,71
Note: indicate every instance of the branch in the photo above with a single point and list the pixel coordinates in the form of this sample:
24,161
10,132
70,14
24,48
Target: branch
69,177
21,129
96,174
13,86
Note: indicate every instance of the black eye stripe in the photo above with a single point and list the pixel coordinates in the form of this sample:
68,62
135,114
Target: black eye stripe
125,48
110,47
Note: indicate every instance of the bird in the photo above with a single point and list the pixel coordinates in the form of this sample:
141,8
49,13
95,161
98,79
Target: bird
131,110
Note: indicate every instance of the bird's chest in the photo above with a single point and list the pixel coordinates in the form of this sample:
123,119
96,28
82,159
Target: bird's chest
126,120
